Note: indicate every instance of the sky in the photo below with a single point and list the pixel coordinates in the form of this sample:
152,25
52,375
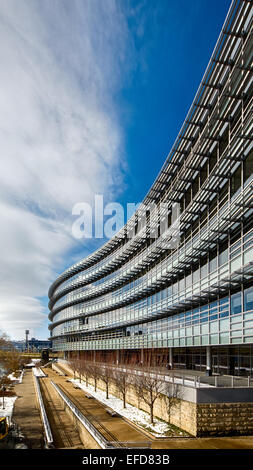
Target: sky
92,96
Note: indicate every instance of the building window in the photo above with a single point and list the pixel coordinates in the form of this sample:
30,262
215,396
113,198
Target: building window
213,264
236,303
223,257
248,299
248,167
236,181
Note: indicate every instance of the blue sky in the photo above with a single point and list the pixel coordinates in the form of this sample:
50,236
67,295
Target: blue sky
93,94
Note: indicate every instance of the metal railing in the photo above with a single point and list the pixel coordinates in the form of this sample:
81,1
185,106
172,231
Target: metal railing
58,369
97,435
99,438
46,425
187,380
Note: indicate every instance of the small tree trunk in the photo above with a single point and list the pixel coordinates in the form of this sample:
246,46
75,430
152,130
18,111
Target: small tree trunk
107,391
151,414
95,384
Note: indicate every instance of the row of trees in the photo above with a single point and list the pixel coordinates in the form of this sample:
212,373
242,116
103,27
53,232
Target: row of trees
148,384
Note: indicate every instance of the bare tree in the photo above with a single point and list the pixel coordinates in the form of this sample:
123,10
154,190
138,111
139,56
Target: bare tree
78,367
72,365
93,370
121,379
5,343
173,394
149,386
106,377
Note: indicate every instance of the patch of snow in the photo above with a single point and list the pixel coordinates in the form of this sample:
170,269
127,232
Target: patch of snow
33,362
139,417
7,410
12,377
17,380
38,372
20,380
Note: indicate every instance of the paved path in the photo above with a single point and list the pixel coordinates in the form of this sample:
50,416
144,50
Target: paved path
27,416
245,442
26,413
64,432
113,428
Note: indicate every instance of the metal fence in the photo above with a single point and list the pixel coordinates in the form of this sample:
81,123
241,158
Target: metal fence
193,380
48,432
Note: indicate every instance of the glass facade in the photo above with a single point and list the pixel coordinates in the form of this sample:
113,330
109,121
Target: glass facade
136,293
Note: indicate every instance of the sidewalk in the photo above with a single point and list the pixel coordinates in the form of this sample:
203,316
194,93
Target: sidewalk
26,414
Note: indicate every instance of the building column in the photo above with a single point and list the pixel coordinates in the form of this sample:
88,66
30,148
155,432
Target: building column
208,361
170,358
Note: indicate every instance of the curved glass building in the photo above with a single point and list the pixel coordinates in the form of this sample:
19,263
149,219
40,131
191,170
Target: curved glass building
188,304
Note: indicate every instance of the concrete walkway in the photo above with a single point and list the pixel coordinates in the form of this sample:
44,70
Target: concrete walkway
113,428
26,413
237,442
27,416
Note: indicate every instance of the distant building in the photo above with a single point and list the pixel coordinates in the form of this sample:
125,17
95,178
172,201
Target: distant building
33,344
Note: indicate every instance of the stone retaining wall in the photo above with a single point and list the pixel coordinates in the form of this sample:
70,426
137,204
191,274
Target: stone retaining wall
224,418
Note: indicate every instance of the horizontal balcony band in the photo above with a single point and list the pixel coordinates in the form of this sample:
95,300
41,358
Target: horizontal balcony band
168,277
173,271
224,157
236,279
202,87
102,272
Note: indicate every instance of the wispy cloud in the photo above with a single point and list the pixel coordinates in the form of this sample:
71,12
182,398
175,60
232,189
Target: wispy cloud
62,65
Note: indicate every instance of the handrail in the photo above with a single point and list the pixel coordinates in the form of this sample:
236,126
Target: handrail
193,381
48,432
83,420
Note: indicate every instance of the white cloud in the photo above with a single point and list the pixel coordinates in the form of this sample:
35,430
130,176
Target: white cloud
60,142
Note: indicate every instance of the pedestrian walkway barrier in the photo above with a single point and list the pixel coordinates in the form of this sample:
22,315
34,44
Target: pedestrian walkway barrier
48,433
103,442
